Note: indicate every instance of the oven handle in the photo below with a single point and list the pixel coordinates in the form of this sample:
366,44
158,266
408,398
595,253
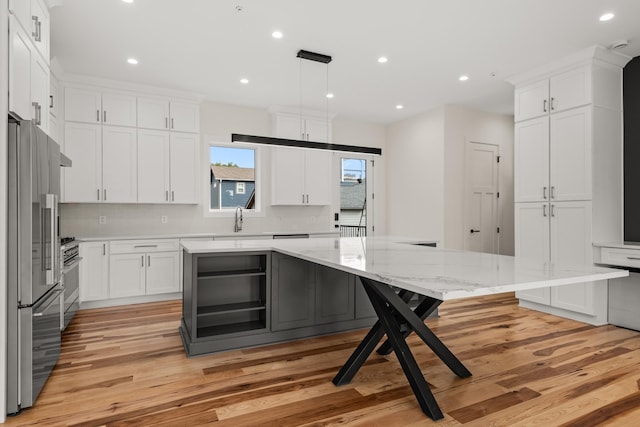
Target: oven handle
67,268
54,299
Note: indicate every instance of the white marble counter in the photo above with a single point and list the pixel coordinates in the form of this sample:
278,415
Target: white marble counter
241,235
439,273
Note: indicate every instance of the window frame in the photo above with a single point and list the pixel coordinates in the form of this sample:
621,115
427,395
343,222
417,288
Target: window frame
258,176
240,184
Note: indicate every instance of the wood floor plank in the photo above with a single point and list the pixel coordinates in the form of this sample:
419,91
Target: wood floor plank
125,366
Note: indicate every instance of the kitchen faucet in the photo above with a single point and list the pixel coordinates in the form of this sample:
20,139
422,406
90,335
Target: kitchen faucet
238,225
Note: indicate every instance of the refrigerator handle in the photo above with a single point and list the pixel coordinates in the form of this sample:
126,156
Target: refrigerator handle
53,267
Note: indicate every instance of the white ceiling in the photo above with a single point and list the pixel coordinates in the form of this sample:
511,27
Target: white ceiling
206,46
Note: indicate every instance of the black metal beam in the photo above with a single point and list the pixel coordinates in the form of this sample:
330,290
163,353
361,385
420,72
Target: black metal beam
236,137
313,56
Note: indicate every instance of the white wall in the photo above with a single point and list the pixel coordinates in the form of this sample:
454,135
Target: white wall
415,176
4,72
217,122
461,125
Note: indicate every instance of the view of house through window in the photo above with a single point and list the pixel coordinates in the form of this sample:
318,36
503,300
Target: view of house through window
233,178
353,198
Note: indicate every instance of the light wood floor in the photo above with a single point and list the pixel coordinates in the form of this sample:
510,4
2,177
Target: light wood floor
126,367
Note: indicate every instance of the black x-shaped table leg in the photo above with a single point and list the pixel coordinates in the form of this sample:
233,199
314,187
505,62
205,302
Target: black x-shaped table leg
397,320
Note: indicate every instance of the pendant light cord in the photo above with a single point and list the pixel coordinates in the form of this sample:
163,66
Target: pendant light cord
300,103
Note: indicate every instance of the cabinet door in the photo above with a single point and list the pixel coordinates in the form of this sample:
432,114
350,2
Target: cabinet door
153,113
185,117
82,105
363,303
83,181
163,273
94,271
19,70
570,245
531,101
531,160
21,10
40,27
119,109
126,275
292,293
334,295
40,91
570,89
184,167
287,176
289,127
532,241
570,155
317,130
318,177
119,165
153,166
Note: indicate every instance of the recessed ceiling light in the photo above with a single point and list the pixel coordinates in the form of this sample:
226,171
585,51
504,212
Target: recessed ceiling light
382,59
132,61
244,81
330,95
277,34
399,107
128,1
463,78
607,16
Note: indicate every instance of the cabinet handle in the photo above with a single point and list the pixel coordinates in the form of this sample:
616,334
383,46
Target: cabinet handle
166,195
172,196
98,190
166,122
553,192
98,116
171,122
36,33
553,210
104,249
544,210
37,110
544,106
552,107
303,198
50,101
544,193
39,37
142,259
104,116
148,260
307,198
105,194
145,246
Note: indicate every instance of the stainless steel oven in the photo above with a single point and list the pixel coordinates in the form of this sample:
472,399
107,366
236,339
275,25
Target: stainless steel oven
70,280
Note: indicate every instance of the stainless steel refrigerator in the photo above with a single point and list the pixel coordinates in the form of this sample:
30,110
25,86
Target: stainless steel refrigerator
34,292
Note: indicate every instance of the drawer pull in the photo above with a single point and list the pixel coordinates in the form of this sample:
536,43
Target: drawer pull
145,246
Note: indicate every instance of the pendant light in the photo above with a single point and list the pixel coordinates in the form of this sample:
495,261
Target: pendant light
302,143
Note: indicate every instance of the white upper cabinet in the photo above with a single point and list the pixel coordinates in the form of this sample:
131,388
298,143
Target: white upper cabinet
153,166
184,167
92,106
531,160
291,126
28,78
83,181
165,114
33,17
300,177
558,93
119,165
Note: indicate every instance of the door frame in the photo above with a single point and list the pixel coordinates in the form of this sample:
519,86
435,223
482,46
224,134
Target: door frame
370,160
467,189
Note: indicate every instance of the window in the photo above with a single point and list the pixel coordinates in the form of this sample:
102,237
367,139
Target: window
232,178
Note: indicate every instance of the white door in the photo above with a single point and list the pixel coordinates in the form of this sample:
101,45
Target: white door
119,165
83,145
531,101
94,271
19,70
531,160
153,166
532,242
570,155
184,167
127,275
481,206
571,245
153,113
163,272
287,176
318,177
185,117
119,109
82,105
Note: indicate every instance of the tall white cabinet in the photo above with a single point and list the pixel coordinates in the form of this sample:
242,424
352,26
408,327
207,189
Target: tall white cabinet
568,173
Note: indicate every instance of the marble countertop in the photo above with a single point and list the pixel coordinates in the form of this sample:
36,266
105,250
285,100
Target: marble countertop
443,274
618,245
241,234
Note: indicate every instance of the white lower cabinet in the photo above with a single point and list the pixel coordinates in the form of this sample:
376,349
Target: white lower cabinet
139,267
560,233
94,271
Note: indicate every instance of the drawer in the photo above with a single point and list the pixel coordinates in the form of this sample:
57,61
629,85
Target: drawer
620,256
143,246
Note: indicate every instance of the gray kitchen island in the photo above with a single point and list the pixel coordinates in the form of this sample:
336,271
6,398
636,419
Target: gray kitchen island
245,293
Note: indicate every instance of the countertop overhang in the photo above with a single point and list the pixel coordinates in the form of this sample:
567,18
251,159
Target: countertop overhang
443,274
